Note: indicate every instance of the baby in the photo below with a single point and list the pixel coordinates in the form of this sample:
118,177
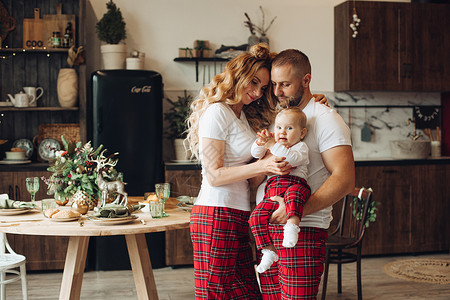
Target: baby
290,129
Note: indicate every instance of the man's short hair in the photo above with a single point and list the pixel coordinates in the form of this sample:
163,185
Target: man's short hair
297,59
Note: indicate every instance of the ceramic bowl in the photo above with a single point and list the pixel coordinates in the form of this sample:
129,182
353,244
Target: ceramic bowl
15,155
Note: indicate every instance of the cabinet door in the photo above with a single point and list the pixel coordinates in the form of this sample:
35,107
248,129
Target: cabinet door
392,231
42,252
374,60
7,183
22,193
178,242
430,55
431,206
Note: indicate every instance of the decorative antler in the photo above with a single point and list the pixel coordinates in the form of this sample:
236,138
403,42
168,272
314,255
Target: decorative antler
103,161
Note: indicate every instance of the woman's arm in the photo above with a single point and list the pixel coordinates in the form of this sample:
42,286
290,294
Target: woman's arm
217,174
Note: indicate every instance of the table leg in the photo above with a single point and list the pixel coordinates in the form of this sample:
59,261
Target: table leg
74,268
141,266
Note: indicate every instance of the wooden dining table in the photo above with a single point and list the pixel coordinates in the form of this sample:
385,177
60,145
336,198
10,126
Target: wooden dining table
34,223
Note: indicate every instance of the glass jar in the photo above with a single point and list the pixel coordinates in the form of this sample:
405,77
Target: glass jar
56,39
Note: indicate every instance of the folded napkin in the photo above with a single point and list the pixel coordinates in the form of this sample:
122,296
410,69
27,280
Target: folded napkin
116,211
7,203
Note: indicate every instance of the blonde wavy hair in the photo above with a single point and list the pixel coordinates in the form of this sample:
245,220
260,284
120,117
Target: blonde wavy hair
227,87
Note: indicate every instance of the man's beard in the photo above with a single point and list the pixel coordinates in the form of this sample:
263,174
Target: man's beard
293,100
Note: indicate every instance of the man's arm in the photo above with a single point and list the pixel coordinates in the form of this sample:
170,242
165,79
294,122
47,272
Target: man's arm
340,163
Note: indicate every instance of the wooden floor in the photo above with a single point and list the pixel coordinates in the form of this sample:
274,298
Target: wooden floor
177,284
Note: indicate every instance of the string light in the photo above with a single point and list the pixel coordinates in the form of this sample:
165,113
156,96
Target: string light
355,22
18,50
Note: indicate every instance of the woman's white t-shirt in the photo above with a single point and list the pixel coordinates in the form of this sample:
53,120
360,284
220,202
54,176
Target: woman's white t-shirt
220,123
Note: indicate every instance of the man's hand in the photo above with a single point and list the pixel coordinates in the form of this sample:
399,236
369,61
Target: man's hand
279,216
321,99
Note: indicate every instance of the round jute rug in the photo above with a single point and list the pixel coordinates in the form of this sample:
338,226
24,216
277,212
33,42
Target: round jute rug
420,269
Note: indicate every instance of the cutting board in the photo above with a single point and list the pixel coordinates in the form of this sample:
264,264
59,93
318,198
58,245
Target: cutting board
32,32
59,23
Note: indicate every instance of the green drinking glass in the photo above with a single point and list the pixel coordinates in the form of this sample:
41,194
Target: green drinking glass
162,191
32,184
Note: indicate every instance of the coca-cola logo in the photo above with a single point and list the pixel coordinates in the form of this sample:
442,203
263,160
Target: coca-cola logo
144,89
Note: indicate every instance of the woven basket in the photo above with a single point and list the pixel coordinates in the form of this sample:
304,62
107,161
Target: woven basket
71,132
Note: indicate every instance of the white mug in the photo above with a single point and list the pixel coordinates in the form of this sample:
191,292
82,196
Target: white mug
32,91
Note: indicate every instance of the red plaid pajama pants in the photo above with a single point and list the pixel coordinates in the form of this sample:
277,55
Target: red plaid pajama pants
297,273
223,260
295,192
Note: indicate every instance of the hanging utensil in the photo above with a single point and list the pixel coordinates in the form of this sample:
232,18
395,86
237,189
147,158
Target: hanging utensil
366,133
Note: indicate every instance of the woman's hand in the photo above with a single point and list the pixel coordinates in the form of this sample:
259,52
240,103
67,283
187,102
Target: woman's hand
275,165
279,215
321,99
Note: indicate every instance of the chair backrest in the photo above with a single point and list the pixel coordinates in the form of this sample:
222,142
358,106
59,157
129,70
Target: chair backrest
4,245
354,214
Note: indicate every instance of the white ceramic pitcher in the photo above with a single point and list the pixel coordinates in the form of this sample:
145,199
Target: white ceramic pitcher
32,91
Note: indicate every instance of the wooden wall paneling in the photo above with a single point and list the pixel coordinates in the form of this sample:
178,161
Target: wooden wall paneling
31,62
43,80
16,10
7,67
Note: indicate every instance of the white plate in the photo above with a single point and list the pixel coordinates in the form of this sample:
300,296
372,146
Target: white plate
13,211
112,221
26,145
185,206
47,149
14,162
64,219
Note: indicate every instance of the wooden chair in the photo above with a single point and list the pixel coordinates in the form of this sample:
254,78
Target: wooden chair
347,235
8,262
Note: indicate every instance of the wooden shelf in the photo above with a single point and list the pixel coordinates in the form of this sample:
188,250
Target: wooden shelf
199,59
11,108
22,50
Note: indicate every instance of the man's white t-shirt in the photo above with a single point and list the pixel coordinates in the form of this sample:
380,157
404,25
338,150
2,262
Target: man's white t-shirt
219,122
326,129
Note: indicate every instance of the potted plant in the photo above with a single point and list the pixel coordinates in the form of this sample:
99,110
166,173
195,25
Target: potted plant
177,130
111,30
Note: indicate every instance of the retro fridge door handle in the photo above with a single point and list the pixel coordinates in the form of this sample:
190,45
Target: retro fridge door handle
100,120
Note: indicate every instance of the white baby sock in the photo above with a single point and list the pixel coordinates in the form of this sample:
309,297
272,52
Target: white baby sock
268,258
290,235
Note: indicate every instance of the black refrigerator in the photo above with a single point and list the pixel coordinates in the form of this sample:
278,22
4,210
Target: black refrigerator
126,117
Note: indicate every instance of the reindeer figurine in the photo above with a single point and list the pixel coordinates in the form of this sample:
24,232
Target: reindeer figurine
108,188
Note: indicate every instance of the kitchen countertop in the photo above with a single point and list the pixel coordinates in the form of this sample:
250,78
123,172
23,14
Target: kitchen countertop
377,161
195,165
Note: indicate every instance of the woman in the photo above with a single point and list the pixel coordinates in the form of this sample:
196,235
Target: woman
222,128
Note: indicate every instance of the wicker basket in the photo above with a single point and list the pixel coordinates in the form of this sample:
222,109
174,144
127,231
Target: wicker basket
71,132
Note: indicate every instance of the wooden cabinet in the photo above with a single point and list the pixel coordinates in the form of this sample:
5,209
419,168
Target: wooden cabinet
38,67
413,208
42,252
13,184
178,242
399,47
412,215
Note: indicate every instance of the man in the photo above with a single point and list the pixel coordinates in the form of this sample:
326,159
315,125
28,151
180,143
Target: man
331,177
